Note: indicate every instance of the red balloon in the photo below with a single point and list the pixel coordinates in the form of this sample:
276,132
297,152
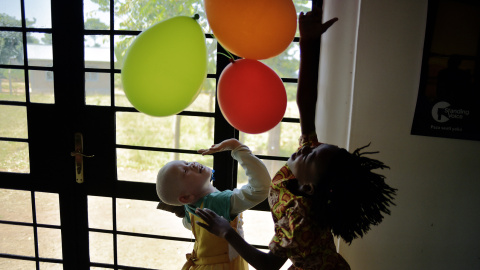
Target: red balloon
251,96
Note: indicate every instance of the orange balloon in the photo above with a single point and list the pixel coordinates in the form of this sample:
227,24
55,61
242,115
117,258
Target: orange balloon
254,29
251,96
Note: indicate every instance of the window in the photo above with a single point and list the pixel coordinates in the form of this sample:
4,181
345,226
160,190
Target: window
79,47
91,77
49,75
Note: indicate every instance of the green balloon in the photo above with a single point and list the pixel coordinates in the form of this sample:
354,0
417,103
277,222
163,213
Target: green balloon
165,66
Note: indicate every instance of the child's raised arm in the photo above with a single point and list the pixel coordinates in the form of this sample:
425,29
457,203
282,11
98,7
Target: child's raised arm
311,28
226,145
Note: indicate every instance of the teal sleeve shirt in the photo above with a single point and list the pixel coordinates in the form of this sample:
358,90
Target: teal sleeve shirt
218,202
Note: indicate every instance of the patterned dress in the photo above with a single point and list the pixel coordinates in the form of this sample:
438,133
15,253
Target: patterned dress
296,235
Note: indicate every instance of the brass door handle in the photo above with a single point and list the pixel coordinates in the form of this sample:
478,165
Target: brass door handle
78,154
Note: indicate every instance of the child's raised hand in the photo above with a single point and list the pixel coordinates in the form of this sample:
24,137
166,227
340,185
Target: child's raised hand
226,145
310,23
215,224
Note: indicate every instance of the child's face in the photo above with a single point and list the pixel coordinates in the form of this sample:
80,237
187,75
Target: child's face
192,175
309,164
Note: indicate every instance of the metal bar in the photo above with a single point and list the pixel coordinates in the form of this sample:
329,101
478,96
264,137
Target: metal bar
28,258
13,139
28,224
35,228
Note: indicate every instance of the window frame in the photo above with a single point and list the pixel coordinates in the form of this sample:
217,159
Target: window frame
68,35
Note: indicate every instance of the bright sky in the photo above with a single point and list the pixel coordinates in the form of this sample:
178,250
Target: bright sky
41,11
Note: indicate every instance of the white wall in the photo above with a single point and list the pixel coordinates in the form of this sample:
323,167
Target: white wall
436,223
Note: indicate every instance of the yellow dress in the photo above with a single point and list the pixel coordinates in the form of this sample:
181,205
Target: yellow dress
211,252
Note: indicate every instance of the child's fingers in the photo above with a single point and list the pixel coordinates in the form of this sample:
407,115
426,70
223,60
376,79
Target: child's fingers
329,23
209,213
200,214
203,151
223,146
203,225
206,214
316,10
211,150
318,3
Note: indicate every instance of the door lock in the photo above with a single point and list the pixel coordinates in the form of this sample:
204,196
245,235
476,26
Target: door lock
78,154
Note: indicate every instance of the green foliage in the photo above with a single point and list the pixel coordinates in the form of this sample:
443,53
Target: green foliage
16,76
11,47
95,23
10,21
11,43
47,39
141,14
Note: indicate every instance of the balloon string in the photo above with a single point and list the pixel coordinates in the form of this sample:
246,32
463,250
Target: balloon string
228,56
233,58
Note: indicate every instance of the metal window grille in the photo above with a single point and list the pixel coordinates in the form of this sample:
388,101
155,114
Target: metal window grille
49,140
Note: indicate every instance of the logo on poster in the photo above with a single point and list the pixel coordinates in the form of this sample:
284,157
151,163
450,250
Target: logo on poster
442,112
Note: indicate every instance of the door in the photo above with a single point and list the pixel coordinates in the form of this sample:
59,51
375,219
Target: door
64,114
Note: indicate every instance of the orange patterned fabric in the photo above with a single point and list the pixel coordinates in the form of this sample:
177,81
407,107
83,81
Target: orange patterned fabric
296,235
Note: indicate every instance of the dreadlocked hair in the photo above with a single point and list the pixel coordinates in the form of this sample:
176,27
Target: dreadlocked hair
351,197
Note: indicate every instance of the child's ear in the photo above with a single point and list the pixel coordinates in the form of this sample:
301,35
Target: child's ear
307,189
186,199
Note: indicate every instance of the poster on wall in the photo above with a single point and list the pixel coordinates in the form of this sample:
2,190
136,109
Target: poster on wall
448,102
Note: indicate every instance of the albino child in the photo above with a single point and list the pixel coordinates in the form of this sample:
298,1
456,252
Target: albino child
186,186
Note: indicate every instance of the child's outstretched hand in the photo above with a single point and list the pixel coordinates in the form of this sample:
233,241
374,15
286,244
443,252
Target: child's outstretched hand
310,23
226,145
215,224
